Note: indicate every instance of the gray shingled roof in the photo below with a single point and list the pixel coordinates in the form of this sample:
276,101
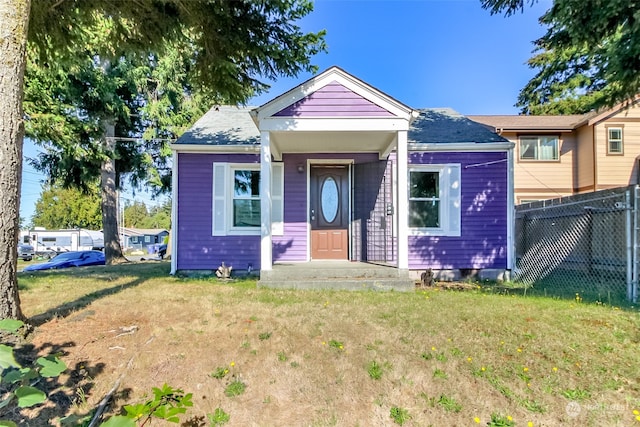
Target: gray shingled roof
223,125
229,125
447,126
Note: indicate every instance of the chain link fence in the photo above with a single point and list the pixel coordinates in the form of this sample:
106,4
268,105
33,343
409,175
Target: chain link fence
583,246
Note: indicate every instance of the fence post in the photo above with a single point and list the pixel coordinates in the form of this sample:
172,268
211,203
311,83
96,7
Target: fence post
635,230
628,229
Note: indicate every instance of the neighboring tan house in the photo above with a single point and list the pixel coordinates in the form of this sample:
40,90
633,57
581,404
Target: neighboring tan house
556,156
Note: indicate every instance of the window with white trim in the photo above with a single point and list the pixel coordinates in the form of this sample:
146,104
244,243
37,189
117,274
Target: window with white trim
541,148
245,203
236,199
434,200
614,140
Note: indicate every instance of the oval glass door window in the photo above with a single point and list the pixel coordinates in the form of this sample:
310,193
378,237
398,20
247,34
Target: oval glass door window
329,199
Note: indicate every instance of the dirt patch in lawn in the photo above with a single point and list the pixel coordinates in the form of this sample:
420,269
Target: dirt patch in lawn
307,357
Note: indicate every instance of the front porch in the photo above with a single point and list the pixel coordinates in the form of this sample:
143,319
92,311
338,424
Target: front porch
336,275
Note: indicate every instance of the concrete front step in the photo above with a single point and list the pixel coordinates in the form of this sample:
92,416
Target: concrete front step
362,284
336,275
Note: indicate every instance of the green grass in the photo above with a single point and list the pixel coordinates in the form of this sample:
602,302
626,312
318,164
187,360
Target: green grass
497,352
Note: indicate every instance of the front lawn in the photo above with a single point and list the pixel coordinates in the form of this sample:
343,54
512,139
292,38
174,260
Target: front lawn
318,358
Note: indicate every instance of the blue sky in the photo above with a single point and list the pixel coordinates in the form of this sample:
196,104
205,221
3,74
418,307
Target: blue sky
424,53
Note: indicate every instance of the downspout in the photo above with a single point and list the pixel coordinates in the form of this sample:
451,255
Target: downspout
174,215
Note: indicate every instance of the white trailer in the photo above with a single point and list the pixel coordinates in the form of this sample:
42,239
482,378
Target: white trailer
51,242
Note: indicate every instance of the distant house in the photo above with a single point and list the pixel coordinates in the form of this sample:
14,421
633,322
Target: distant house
140,237
335,169
557,156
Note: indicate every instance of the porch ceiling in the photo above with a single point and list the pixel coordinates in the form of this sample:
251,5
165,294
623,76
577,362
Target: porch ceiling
333,142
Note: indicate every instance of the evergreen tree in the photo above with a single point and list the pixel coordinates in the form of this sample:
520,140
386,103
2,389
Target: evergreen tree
588,58
229,46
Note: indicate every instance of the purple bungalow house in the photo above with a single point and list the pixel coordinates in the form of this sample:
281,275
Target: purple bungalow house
334,175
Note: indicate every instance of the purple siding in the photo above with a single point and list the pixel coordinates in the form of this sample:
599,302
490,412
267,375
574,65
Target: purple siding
333,100
292,246
198,249
483,240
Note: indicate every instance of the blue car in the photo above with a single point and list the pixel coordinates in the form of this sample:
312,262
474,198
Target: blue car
70,259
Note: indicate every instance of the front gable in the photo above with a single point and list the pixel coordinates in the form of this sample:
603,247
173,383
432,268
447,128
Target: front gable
333,93
334,100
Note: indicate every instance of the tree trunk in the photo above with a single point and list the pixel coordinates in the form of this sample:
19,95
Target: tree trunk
14,22
112,248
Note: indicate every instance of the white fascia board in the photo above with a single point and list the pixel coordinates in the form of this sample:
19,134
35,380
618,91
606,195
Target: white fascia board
217,149
273,124
333,74
174,215
464,146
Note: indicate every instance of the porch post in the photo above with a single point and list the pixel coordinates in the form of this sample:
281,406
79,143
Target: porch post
402,211
265,202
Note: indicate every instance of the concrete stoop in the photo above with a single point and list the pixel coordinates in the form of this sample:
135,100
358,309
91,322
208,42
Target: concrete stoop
337,276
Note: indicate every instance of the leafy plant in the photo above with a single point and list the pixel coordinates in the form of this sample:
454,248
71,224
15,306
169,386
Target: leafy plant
499,420
264,336
576,394
399,415
339,345
235,388
219,373
219,417
20,380
439,373
449,403
167,404
282,356
374,370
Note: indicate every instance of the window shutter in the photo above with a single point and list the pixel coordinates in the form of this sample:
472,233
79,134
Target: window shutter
454,200
277,199
219,227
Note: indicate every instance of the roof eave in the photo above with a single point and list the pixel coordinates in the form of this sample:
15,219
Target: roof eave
460,146
218,149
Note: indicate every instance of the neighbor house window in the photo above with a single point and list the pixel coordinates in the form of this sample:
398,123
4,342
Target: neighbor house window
434,200
614,139
236,199
544,148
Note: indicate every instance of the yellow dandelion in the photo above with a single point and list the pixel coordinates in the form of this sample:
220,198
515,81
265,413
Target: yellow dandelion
525,369
509,418
519,350
232,364
477,420
529,424
636,412
324,343
484,369
433,349
638,417
469,359
529,385
555,369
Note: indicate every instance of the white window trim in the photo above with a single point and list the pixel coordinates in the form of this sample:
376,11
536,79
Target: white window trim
521,137
222,200
450,198
231,229
621,129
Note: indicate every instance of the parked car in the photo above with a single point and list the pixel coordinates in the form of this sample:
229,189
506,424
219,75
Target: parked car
70,259
25,252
